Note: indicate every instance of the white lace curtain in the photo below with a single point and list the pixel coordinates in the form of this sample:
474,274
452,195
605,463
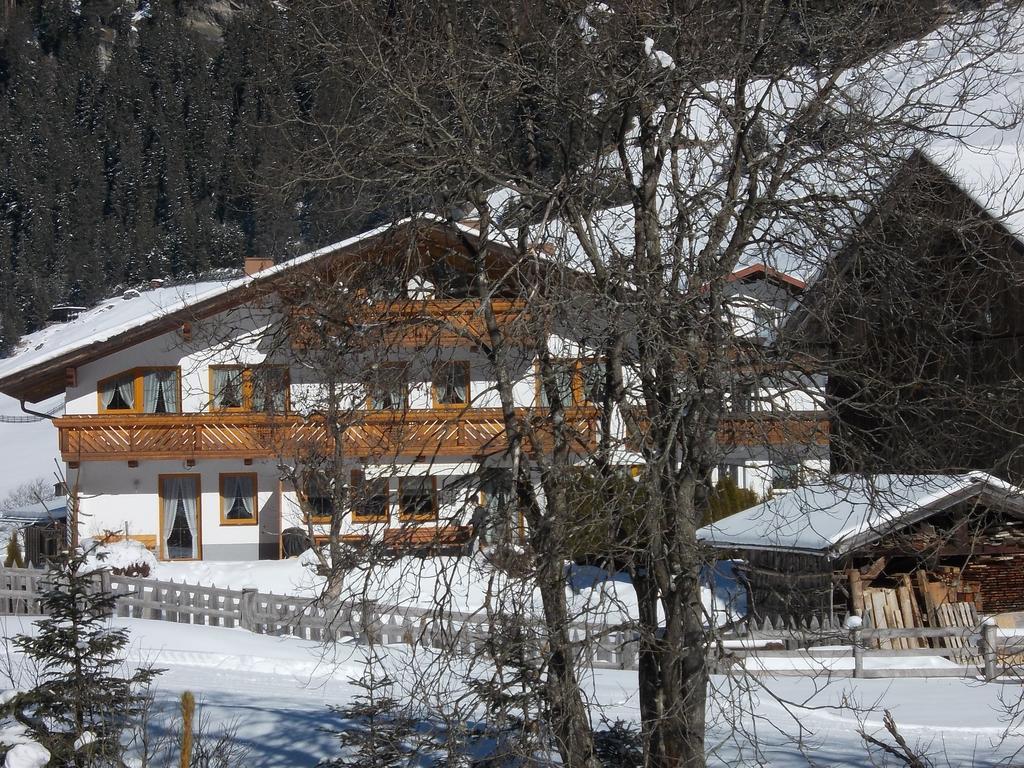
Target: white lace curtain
157,385
180,496
563,374
238,497
451,385
227,387
269,389
123,387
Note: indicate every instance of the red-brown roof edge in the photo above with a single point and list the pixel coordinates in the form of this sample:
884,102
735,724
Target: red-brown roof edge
768,273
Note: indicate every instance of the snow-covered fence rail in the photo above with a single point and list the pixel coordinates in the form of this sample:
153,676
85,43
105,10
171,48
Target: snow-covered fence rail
968,651
782,650
265,613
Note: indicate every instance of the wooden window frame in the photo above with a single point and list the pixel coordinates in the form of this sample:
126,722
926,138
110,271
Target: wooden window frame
403,517
358,481
137,375
438,405
224,509
161,542
247,387
579,391
403,370
311,519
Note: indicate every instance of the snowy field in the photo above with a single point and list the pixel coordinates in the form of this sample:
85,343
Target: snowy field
276,692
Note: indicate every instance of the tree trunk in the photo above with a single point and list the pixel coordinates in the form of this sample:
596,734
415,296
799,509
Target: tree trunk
570,721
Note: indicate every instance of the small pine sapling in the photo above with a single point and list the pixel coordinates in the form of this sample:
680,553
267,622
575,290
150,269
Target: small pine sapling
376,731
81,704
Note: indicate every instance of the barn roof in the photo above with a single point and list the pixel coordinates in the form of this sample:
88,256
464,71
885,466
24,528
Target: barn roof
846,511
36,513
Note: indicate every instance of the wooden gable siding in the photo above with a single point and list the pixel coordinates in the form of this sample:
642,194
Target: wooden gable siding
923,362
410,322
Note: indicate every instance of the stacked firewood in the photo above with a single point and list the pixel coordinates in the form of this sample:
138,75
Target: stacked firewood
937,598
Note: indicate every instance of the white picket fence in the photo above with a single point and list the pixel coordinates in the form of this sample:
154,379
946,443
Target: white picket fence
468,633
974,650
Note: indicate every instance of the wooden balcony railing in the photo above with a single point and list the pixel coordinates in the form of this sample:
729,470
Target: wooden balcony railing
769,429
775,429
408,322
409,434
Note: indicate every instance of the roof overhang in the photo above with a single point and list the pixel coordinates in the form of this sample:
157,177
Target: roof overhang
48,378
769,274
983,488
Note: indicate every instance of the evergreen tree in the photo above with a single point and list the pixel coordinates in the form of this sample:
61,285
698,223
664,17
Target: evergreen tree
134,147
377,731
728,499
80,705
13,558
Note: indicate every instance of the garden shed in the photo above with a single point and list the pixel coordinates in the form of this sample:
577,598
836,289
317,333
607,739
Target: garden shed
41,530
899,550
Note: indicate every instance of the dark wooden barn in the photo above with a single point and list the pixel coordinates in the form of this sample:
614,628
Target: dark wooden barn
918,322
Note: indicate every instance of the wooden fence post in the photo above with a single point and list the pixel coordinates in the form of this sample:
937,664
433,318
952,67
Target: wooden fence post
987,647
247,609
854,624
629,650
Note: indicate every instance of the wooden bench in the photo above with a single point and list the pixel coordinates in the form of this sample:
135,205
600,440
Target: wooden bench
416,539
148,540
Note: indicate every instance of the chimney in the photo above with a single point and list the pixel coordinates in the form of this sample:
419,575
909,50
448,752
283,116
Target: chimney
254,264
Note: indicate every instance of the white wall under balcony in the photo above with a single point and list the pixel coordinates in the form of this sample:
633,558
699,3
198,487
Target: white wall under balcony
116,497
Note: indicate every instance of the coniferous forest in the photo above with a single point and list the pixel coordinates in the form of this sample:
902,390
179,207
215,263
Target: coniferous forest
142,142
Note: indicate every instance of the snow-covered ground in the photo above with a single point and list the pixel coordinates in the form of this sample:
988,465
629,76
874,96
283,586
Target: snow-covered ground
276,692
453,583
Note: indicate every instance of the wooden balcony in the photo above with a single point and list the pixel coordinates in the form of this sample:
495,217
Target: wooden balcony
408,322
780,429
775,429
413,434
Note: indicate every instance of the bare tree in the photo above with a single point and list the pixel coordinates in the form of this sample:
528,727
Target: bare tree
612,165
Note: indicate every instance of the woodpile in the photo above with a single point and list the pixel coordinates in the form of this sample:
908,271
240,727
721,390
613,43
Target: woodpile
939,598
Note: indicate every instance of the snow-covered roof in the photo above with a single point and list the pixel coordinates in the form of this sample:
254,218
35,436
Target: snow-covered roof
36,513
136,310
992,175
108,319
834,516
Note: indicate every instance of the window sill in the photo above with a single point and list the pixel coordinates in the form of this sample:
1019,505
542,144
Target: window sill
370,520
417,518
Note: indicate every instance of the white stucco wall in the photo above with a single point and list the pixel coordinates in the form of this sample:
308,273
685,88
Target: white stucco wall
231,338
115,497
756,475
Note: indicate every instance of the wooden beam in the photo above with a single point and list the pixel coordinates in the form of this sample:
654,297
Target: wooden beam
872,572
856,592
